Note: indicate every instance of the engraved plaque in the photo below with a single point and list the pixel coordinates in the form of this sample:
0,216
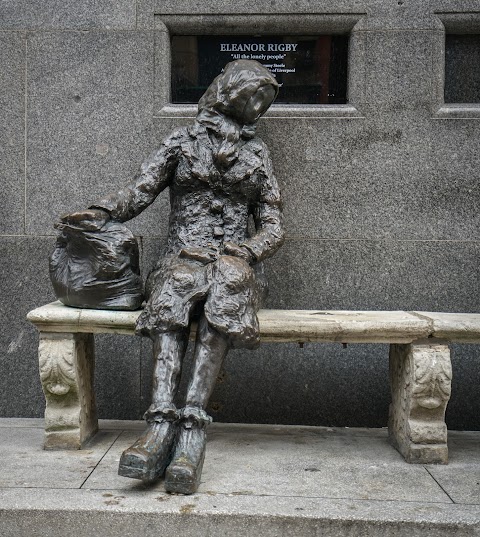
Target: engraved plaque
311,69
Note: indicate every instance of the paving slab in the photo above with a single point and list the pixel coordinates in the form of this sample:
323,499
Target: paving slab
258,480
249,461
461,478
26,464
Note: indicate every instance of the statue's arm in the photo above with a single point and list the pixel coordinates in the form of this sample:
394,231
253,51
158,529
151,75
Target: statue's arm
154,176
268,215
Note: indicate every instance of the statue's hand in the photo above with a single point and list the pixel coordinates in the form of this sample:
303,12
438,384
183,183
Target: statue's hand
230,248
199,254
89,220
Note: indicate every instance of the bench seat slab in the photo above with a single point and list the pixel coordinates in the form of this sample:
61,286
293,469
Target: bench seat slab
276,326
66,372
420,368
420,380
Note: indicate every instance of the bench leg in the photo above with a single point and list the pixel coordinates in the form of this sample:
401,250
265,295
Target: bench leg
66,373
420,380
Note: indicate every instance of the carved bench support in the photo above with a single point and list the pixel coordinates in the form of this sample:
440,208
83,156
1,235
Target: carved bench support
66,372
420,369
420,380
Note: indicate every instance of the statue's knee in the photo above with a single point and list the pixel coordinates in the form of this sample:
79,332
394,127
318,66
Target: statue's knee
182,278
234,272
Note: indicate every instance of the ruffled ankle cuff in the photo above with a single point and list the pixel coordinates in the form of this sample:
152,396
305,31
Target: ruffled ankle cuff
161,413
193,416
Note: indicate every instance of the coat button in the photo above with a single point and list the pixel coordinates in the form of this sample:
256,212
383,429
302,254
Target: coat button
216,206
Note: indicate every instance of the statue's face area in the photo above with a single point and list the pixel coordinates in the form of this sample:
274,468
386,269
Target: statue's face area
258,104
243,91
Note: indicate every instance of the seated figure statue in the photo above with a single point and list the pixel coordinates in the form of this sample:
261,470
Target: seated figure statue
220,176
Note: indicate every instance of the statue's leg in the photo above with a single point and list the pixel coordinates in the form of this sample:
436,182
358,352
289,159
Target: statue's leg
168,352
211,347
151,453
184,472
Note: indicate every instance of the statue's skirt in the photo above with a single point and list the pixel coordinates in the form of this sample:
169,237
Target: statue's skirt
228,292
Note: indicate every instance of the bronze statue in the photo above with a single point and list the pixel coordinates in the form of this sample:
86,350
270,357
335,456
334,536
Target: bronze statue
220,175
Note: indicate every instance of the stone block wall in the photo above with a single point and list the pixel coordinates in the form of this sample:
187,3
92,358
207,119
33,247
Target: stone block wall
381,195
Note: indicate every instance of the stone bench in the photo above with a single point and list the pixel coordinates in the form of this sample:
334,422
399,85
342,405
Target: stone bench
420,368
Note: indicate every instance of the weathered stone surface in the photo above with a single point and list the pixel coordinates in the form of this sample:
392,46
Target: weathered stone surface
229,400
398,81
420,379
242,516
288,325
118,376
275,325
293,460
341,326
60,15
401,15
462,412
100,82
454,327
310,385
67,364
32,467
376,274
263,480
385,177
24,285
461,478
12,133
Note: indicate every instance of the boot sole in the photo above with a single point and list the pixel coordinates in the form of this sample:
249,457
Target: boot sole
184,478
138,463
136,468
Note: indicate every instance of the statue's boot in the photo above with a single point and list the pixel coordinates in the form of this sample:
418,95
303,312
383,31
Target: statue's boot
184,472
148,457
152,452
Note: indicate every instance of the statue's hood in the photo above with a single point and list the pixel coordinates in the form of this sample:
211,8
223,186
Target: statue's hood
232,88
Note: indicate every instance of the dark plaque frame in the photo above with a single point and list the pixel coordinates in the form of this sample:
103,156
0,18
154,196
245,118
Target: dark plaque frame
312,69
462,73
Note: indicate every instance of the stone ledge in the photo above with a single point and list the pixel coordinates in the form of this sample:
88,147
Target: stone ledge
460,327
23,514
289,325
259,480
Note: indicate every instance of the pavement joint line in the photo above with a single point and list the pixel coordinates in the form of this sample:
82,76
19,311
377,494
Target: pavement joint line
41,488
25,140
22,427
316,497
325,498
438,483
101,459
228,494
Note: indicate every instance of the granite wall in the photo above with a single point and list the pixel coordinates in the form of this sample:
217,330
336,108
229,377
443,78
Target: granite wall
381,195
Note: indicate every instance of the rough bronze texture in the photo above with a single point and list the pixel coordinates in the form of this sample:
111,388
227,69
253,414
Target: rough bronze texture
95,264
225,220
